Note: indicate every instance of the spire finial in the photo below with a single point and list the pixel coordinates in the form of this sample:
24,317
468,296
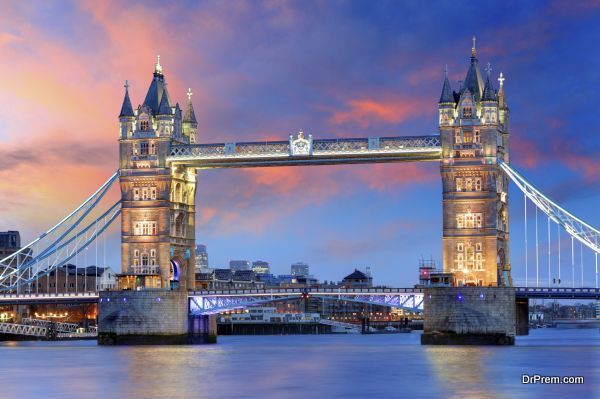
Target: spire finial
189,94
501,79
488,69
473,49
126,86
157,66
446,70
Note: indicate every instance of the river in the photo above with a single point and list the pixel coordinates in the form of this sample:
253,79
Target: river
303,366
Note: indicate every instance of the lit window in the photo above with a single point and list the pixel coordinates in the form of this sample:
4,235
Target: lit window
144,148
476,138
136,194
144,228
478,247
460,247
136,253
460,219
469,184
144,259
467,137
478,219
459,184
144,125
152,149
153,193
153,253
467,112
457,137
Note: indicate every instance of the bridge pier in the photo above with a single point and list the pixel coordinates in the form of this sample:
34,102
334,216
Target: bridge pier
151,317
522,310
469,316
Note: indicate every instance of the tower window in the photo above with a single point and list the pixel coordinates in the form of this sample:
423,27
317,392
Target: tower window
144,148
467,112
144,228
478,184
457,137
476,138
144,125
136,194
459,184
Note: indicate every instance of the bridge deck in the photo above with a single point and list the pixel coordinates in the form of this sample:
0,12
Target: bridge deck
318,152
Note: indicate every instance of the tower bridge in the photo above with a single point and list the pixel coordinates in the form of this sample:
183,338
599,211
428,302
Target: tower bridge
161,151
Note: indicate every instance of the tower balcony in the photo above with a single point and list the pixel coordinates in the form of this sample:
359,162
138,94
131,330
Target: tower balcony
144,269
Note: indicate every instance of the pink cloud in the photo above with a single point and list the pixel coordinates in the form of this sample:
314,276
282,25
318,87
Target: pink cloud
366,112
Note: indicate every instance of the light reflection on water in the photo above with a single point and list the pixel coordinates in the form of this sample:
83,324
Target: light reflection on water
302,366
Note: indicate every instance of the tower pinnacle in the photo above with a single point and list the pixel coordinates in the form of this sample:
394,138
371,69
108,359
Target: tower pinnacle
189,94
473,49
157,67
501,79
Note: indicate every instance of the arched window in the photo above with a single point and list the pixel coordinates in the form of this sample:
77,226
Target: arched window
145,259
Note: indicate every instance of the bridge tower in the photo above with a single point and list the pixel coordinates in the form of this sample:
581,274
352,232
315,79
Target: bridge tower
157,222
474,135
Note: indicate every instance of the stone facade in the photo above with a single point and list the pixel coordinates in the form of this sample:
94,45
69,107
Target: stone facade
157,200
151,317
469,315
474,135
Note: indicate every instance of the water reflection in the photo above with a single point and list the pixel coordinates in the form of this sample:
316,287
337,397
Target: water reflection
462,370
349,366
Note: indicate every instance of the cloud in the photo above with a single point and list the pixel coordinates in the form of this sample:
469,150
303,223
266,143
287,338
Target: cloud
367,112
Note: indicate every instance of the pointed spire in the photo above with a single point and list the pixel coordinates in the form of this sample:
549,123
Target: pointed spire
447,95
189,116
157,67
501,96
126,108
489,94
473,80
164,108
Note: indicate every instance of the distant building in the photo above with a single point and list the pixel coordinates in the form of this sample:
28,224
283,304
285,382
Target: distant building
236,265
357,279
261,267
227,279
69,279
10,242
201,259
300,269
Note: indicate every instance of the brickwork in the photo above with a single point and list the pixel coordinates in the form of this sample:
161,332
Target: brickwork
478,315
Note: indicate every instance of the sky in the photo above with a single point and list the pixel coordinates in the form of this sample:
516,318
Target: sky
263,70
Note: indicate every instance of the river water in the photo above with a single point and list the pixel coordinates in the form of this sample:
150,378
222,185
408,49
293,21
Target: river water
303,366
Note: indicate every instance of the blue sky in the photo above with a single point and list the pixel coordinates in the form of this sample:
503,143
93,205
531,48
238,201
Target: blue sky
262,70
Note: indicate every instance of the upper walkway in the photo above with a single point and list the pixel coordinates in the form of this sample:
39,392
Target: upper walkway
306,151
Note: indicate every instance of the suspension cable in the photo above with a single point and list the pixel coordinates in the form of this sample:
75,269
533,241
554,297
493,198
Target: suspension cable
581,261
549,280
537,252
526,255
558,234
572,262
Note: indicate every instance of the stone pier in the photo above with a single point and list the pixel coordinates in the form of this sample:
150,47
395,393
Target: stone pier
151,317
469,316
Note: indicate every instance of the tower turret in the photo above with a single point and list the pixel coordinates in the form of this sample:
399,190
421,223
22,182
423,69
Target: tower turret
189,119
489,102
164,116
473,81
447,104
126,116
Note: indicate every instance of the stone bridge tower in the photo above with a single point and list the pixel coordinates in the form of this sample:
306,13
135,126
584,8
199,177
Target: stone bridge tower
474,135
157,200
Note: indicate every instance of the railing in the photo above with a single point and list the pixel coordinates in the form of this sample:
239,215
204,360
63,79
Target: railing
146,269
324,147
22,329
61,327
